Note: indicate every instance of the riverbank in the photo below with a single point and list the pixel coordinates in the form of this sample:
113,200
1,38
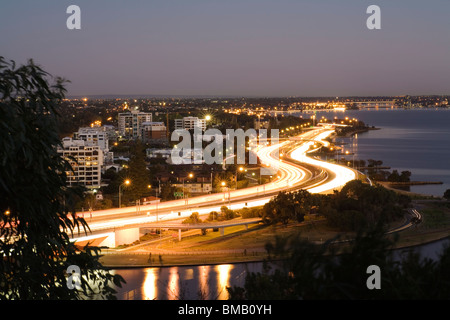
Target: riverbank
239,245
356,131
413,195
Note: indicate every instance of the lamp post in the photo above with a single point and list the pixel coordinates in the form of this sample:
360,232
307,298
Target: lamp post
240,169
223,184
191,175
126,182
225,188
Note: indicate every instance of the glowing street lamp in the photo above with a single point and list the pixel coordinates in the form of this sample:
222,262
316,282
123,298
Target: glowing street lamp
125,183
241,169
191,175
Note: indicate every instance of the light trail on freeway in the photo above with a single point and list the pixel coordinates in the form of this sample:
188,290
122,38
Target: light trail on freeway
290,176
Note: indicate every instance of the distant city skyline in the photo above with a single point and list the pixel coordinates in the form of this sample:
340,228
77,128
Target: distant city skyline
248,48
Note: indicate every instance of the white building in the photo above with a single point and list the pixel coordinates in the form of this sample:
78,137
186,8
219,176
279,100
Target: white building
86,162
186,156
189,123
92,137
130,123
194,187
158,153
96,136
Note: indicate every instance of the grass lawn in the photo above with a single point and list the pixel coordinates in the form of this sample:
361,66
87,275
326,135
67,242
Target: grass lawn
240,245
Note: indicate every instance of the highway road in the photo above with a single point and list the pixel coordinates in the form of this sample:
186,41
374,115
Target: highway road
295,169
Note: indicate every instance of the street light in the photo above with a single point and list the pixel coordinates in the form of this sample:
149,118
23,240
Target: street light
126,182
223,183
241,169
191,175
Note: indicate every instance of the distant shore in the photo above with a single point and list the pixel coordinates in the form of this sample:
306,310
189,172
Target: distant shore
411,183
353,132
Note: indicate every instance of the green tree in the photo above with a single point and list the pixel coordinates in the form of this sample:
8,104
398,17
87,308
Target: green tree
193,218
226,213
447,194
394,176
36,206
137,173
405,176
168,191
287,207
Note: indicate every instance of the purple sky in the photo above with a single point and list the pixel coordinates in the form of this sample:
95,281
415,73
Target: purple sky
238,48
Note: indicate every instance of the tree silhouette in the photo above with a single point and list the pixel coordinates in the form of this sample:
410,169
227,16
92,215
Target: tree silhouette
36,206
137,173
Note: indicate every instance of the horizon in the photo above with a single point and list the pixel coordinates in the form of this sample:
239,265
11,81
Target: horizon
156,96
246,48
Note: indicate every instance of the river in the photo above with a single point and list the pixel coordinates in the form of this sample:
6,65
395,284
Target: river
209,282
416,140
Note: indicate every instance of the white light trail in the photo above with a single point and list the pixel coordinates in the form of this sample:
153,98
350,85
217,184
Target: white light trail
289,175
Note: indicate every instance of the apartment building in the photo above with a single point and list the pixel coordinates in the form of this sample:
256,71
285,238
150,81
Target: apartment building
86,162
96,136
189,123
130,123
153,131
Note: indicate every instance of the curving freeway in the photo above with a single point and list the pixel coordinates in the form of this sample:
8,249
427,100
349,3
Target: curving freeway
295,170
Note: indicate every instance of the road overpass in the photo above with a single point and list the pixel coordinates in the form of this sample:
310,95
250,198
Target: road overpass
296,171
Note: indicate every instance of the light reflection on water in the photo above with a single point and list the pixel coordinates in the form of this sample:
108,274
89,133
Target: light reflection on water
223,277
208,282
149,287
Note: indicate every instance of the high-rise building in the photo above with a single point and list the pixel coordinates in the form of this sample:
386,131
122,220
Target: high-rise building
130,123
92,137
189,123
97,136
86,162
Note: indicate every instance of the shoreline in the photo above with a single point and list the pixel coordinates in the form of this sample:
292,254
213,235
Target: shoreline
351,133
192,258
412,183
223,260
160,257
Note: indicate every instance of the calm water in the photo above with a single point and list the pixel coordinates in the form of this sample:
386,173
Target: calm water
414,140
183,283
209,282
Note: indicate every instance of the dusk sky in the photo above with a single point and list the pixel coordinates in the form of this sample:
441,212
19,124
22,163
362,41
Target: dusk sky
234,48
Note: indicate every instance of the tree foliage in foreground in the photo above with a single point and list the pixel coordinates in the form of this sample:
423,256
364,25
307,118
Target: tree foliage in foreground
298,269
36,216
